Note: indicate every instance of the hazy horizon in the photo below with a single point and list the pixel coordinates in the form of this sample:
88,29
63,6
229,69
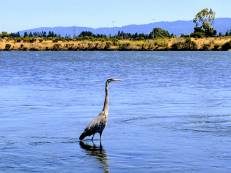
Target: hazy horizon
16,16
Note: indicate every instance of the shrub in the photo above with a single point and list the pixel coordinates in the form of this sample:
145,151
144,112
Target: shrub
34,49
18,40
115,42
55,40
146,46
206,46
160,44
97,46
188,44
69,46
28,39
198,35
56,47
124,46
7,46
32,40
108,45
216,47
226,46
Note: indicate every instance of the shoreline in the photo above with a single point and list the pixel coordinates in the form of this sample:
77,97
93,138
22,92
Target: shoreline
161,44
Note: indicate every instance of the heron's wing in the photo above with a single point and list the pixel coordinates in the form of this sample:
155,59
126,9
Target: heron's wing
96,126
95,123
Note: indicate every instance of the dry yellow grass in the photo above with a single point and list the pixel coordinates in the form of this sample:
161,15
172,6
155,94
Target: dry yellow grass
213,43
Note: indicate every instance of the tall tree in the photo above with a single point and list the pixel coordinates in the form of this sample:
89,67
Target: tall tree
204,22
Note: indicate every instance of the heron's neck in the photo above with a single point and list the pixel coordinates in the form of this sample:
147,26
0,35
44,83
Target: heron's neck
105,106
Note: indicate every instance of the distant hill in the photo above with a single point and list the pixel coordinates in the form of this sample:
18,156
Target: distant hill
175,27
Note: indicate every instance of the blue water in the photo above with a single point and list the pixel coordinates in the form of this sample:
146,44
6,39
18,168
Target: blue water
171,112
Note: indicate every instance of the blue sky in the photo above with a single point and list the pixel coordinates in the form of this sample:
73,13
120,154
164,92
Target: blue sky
24,14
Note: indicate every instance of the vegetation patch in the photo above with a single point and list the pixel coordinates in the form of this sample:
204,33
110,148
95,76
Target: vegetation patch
227,46
186,44
7,47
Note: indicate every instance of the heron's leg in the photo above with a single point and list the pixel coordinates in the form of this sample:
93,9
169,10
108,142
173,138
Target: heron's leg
100,145
93,137
100,136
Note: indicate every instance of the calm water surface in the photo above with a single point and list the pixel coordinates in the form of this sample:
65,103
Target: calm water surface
171,113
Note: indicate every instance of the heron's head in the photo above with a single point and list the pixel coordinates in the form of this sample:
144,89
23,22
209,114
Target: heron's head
112,80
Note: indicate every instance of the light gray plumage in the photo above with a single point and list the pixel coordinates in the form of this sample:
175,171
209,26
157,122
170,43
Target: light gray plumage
98,124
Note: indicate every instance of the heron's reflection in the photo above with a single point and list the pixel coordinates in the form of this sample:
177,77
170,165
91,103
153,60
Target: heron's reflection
98,152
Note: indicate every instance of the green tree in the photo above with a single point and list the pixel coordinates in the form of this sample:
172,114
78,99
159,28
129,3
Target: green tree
25,34
4,34
86,34
30,34
204,23
51,34
159,33
228,33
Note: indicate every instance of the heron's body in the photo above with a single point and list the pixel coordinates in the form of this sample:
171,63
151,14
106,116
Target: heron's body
98,124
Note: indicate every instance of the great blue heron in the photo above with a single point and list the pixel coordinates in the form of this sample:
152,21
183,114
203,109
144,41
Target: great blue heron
98,124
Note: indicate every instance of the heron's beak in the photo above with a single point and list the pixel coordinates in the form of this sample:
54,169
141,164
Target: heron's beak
116,80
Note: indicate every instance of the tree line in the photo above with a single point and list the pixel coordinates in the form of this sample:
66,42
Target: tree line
203,21
155,33
42,34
